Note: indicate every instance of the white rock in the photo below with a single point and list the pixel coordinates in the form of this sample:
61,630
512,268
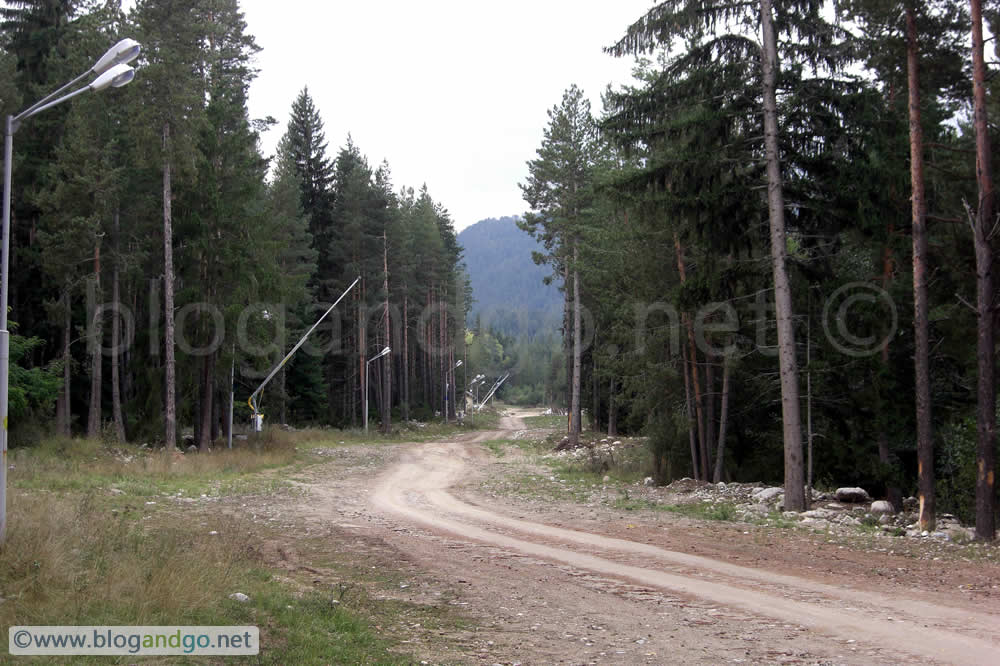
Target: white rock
853,495
648,481
882,507
821,514
240,597
721,485
816,522
767,494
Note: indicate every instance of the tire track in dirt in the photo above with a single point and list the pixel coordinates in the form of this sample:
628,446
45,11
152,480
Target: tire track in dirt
417,489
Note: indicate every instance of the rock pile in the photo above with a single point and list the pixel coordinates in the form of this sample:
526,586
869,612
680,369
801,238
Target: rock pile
843,509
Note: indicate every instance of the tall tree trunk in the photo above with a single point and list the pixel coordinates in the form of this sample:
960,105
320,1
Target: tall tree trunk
574,432
892,493
387,363
363,351
568,342
65,420
720,450
406,359
170,406
921,352
612,413
689,410
795,498
428,396
283,395
709,408
230,400
985,343
116,338
96,343
595,421
207,396
217,402
701,472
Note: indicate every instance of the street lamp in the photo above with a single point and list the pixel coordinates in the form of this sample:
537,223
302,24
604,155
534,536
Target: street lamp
367,365
112,72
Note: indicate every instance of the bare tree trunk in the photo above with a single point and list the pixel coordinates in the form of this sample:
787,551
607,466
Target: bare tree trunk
283,395
574,430
387,362
568,341
720,450
96,343
795,499
595,421
689,410
709,408
116,338
65,419
406,358
985,339
170,406
892,493
207,396
691,365
921,353
612,415
363,352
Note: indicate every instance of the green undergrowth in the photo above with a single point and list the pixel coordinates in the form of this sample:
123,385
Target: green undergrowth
546,421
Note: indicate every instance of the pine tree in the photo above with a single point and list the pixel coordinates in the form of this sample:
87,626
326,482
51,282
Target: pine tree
560,190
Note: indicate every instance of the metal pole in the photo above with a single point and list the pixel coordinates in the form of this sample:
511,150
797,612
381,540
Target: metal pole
365,401
8,154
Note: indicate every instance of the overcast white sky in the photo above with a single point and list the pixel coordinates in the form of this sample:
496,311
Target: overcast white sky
453,93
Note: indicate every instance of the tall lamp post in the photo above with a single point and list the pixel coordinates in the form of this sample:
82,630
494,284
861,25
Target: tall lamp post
368,365
111,72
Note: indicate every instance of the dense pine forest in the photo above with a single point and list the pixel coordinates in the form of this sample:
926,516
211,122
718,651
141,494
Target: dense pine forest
774,247
156,251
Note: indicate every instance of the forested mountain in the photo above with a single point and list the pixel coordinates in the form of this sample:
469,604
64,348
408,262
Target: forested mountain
507,284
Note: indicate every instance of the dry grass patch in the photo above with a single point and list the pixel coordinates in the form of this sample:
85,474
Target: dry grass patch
74,561
86,465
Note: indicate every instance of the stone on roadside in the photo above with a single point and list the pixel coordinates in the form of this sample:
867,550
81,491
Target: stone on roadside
648,481
821,514
240,597
882,507
767,494
852,495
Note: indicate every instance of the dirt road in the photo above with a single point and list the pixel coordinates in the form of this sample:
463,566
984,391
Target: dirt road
578,596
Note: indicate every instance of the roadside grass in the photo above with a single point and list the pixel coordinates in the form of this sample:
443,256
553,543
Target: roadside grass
410,431
701,511
70,561
545,421
79,465
497,446
92,540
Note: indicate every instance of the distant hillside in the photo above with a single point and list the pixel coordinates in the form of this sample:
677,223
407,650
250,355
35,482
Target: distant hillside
506,283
